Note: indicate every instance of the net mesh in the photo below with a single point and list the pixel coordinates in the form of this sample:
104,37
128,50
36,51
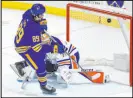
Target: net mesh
97,35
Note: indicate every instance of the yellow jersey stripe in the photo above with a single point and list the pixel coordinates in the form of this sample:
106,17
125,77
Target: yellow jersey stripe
37,47
42,79
31,61
22,49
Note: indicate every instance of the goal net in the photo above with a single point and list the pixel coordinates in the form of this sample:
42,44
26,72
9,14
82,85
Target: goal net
103,38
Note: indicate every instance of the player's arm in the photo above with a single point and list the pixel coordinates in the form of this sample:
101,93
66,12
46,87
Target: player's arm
58,46
41,38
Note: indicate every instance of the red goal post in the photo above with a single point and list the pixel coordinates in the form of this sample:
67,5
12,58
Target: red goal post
71,5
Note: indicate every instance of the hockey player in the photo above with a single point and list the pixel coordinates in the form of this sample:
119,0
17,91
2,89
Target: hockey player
28,43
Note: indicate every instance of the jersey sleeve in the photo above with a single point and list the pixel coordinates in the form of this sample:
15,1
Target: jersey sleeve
58,40
57,48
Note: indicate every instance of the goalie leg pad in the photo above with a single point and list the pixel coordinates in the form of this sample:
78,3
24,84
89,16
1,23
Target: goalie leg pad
64,74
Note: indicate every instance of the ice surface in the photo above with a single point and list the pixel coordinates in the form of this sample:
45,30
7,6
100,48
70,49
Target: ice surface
57,27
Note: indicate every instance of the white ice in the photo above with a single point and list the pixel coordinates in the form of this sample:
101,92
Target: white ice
57,27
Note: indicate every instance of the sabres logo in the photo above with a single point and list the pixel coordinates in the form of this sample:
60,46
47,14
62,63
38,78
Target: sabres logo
118,3
38,7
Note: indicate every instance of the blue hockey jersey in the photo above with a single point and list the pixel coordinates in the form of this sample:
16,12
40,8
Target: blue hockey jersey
29,31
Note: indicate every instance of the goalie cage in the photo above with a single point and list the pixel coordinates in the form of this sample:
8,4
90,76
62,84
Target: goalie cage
102,38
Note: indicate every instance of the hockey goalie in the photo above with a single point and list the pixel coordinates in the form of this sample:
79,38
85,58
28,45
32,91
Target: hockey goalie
63,62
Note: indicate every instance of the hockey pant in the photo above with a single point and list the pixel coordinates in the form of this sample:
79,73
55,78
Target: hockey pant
37,61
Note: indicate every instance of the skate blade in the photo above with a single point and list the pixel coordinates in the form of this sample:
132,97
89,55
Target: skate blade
20,80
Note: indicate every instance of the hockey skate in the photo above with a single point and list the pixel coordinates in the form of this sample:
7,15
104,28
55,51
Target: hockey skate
22,71
18,68
48,89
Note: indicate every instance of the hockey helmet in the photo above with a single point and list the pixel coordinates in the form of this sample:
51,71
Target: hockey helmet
37,9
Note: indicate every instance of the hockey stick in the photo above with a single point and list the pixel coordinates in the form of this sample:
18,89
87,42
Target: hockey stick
25,81
83,70
26,78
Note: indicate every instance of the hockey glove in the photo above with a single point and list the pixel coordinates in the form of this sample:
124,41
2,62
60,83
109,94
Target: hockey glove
43,25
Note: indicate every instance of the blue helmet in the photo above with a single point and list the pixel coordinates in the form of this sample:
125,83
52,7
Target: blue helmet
37,9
